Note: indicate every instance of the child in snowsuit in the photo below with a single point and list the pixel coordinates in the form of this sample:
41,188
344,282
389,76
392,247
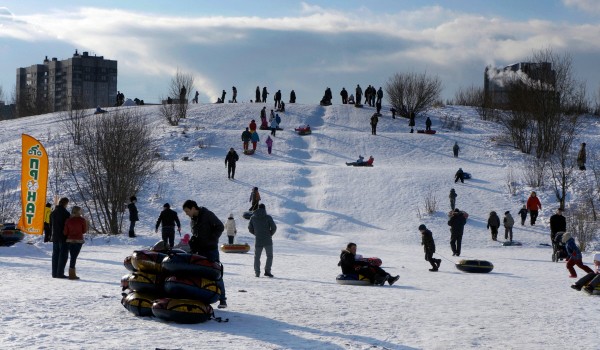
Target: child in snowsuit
230,228
254,199
523,214
254,138
429,247
493,224
269,143
575,257
508,222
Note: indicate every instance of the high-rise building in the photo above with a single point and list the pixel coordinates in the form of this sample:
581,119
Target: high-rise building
82,81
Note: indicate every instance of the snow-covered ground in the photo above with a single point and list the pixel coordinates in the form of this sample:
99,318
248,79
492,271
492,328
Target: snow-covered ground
319,205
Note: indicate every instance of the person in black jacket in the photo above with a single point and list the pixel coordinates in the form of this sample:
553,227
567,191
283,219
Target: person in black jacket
168,217
429,247
351,266
60,252
133,215
206,230
292,96
277,99
460,175
457,225
344,95
257,97
374,121
230,159
558,223
523,214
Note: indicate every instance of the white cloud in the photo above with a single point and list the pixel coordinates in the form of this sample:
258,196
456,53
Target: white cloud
590,6
335,43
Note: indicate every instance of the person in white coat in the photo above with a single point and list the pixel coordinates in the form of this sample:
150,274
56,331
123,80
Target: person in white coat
230,228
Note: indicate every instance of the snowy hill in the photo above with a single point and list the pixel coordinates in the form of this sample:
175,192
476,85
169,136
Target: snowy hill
319,205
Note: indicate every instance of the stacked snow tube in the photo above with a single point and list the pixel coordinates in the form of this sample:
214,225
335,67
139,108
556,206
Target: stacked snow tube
353,279
174,286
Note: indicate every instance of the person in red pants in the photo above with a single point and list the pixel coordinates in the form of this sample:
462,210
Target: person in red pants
575,258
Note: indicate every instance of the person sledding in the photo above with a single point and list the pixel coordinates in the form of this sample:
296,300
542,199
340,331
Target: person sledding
303,129
361,161
254,199
460,175
351,266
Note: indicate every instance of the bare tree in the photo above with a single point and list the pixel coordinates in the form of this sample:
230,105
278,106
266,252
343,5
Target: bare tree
170,112
539,100
561,167
182,81
115,158
413,92
430,201
73,120
581,226
534,173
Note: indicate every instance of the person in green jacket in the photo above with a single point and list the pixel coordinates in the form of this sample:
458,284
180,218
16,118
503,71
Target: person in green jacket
263,227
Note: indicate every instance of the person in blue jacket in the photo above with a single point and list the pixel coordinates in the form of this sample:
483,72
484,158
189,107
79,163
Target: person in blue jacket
254,138
574,255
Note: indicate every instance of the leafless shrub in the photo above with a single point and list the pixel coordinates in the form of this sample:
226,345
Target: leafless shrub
73,121
534,173
511,182
170,112
413,92
470,96
430,201
561,165
114,159
582,228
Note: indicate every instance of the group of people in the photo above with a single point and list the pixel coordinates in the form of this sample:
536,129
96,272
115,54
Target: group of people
67,238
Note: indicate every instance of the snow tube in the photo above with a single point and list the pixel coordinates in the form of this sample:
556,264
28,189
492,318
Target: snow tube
138,304
195,288
235,248
144,283
192,265
429,132
147,261
372,261
128,264
355,280
10,236
466,176
475,266
182,310
509,243
359,164
303,131
249,152
247,215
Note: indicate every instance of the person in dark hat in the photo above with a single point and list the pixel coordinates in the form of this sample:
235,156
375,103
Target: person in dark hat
429,247
508,223
133,215
457,225
168,217
351,266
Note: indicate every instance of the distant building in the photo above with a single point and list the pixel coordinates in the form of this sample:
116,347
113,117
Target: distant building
497,80
82,81
7,111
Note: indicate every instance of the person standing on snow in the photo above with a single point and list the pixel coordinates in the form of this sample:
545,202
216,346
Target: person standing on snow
75,227
234,97
263,228
254,138
533,205
492,224
374,121
523,214
428,124
265,93
429,247
455,149
457,224
269,143
168,218
257,97
379,96
223,96
60,250
508,222
292,96
558,223
452,197
230,228
358,94
133,215
344,95
246,137
230,159
254,199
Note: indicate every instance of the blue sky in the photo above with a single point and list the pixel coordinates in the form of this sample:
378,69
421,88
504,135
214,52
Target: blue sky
306,46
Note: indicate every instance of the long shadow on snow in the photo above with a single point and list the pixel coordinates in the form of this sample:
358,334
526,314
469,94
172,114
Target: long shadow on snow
286,335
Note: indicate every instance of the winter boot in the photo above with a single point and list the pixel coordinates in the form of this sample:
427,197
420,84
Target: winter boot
576,287
433,269
72,274
391,280
380,280
438,262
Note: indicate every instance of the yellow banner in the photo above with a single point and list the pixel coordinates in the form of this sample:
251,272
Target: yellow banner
34,181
